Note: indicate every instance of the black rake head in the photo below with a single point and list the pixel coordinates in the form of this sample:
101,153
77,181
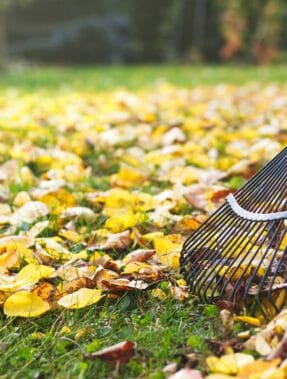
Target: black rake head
239,253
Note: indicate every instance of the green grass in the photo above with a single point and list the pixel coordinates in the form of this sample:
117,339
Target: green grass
163,331
99,78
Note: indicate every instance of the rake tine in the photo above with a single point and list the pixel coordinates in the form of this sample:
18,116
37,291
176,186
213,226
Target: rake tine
218,259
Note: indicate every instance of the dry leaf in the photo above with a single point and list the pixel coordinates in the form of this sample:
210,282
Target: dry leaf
30,212
115,241
140,255
81,298
25,304
168,250
120,353
228,364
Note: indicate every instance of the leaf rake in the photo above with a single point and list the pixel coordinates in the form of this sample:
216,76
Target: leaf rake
239,253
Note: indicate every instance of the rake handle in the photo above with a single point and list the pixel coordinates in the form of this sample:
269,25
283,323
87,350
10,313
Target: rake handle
243,213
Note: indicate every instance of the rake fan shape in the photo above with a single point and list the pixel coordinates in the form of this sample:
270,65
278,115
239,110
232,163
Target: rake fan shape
239,253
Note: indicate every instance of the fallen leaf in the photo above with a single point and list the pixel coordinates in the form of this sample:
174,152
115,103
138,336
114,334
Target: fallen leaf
47,292
32,273
168,250
82,213
114,241
30,212
25,304
259,369
248,320
228,364
140,255
81,298
124,285
120,353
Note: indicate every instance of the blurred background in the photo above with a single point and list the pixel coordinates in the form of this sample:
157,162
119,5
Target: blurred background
133,31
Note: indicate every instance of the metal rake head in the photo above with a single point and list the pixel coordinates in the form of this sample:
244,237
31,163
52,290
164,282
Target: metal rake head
239,253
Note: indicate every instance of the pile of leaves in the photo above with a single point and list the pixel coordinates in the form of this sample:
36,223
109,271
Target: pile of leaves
98,192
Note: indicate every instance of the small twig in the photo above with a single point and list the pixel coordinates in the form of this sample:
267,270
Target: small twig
76,344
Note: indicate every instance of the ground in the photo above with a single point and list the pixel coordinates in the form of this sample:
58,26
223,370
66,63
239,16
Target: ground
44,110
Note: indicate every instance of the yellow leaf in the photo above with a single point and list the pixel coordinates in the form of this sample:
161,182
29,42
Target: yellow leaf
25,304
15,243
119,198
168,250
248,320
9,260
81,298
159,294
228,364
127,177
70,235
135,267
32,273
260,369
58,201
150,237
123,221
283,243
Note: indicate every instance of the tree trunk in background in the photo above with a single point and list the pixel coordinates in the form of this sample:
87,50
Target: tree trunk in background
199,24
3,45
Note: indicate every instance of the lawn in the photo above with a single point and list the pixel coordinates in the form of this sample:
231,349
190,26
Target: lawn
107,78
126,144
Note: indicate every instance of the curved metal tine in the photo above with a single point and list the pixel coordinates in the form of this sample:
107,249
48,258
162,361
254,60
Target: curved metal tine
278,227
216,254
266,190
273,233
225,236
208,236
256,252
244,257
253,182
256,303
212,256
256,228
223,256
279,263
187,242
262,173
237,283
247,196
209,222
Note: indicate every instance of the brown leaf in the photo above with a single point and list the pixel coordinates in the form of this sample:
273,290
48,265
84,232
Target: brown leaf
47,292
218,196
104,276
197,196
106,262
113,241
120,353
178,292
124,285
140,255
78,283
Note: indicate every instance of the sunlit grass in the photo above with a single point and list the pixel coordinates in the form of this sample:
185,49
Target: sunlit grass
97,78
